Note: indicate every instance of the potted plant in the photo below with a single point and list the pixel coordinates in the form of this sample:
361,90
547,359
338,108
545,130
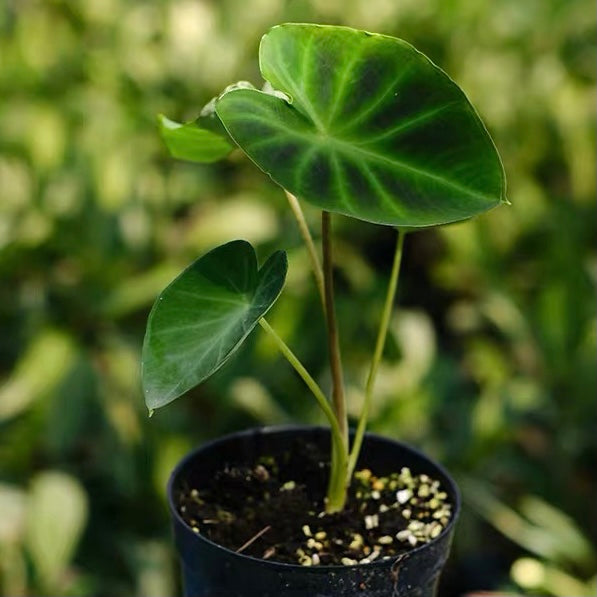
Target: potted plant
357,124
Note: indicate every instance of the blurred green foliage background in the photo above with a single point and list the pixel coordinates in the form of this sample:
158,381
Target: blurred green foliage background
491,364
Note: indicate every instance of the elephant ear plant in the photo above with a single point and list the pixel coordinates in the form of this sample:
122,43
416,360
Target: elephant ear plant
354,123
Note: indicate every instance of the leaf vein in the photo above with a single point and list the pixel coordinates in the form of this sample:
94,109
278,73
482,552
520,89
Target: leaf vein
360,116
407,124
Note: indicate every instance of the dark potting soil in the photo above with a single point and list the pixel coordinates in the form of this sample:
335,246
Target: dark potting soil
274,510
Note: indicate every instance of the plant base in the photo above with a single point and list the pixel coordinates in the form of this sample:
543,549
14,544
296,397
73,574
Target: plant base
215,571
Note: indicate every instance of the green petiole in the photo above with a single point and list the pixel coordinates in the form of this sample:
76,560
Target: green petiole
339,461
379,346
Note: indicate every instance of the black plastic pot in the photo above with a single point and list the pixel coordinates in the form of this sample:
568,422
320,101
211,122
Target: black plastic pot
210,570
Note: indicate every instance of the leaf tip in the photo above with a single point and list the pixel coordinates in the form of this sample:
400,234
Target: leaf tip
151,412
164,122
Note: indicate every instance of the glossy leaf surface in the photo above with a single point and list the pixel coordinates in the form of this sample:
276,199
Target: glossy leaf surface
192,143
204,315
373,129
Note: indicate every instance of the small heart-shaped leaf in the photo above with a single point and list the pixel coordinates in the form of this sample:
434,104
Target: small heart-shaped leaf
204,315
193,143
372,129
203,141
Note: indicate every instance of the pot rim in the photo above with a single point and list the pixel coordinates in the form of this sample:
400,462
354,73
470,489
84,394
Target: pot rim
269,429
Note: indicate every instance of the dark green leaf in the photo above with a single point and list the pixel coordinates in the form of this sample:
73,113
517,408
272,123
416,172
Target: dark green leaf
204,315
192,143
373,129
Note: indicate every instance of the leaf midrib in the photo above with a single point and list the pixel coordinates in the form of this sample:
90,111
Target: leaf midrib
193,364
240,317
323,138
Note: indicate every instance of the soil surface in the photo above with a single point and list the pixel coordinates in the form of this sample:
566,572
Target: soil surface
274,510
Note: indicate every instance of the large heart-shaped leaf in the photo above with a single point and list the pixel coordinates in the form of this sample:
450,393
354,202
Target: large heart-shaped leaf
204,315
373,129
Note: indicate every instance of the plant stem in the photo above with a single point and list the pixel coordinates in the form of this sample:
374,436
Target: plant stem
306,377
337,486
336,495
308,239
379,346
338,400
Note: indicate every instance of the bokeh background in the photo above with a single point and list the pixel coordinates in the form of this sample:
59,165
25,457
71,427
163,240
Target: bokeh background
491,362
